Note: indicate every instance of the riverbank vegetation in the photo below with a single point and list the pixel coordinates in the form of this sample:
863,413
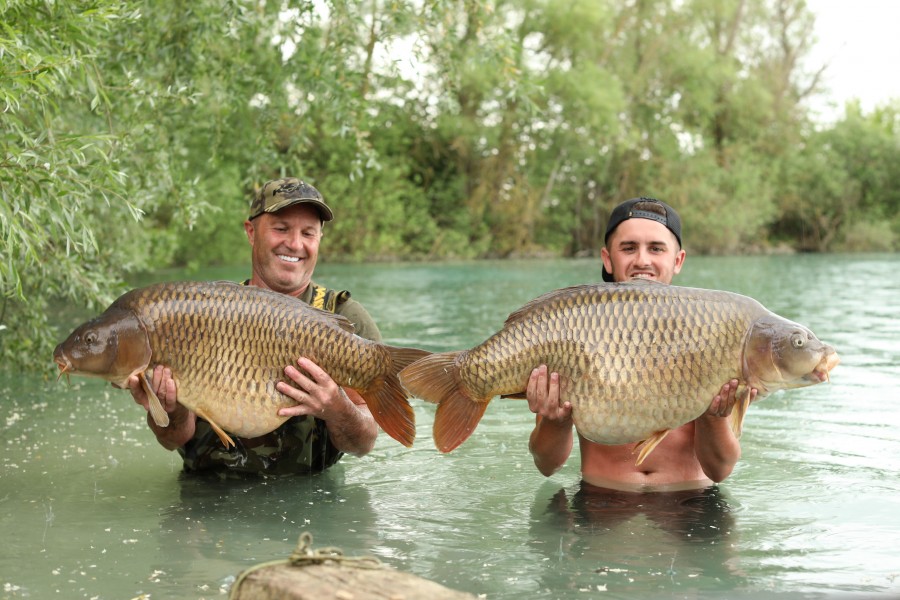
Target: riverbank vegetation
135,131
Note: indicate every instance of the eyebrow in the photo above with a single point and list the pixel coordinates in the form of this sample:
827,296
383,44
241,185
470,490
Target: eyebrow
650,243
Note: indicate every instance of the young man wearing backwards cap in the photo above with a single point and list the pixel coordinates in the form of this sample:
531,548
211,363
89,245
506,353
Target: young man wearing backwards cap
643,241
284,230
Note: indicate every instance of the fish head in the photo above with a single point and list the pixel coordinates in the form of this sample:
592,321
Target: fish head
112,346
781,354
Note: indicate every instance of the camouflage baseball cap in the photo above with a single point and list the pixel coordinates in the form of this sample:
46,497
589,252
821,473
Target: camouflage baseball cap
281,193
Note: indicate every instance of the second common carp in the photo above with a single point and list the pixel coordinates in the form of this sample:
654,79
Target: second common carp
635,360
227,346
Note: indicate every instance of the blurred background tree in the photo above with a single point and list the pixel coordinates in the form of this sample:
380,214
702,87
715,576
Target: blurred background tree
134,132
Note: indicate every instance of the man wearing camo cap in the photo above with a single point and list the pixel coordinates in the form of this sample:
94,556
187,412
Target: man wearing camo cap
284,229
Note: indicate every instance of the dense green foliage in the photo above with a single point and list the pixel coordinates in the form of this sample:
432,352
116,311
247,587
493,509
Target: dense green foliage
133,133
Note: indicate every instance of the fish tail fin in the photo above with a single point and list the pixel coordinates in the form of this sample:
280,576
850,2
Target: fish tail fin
388,401
435,379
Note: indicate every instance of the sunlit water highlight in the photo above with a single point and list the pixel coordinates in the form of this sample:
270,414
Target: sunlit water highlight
92,507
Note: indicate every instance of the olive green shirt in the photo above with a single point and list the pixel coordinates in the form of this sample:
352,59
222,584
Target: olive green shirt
348,307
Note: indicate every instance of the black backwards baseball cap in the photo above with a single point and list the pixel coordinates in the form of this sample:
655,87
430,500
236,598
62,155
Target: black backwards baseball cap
626,210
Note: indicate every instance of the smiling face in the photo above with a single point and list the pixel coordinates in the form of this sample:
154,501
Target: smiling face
644,249
285,248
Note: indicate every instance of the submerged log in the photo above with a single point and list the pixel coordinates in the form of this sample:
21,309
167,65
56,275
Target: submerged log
338,582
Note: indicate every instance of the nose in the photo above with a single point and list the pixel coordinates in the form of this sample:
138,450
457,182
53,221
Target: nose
294,240
643,256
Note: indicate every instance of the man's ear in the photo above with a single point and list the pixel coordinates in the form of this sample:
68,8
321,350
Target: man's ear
679,261
607,261
249,230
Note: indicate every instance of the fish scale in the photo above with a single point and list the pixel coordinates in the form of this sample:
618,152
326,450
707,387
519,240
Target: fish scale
635,360
227,346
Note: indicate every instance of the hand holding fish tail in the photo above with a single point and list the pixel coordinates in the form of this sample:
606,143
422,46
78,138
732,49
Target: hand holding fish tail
350,423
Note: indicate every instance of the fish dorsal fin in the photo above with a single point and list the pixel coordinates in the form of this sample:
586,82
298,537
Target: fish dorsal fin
571,293
159,414
543,300
339,320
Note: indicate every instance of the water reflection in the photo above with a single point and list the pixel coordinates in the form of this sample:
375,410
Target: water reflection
218,527
691,515
630,540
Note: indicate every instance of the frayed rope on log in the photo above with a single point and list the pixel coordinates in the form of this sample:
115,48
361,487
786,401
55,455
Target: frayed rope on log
304,555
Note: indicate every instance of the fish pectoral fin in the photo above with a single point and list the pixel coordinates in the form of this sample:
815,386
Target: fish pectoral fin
226,439
736,419
159,414
646,447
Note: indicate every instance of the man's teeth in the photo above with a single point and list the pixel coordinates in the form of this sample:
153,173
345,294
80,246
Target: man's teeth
288,258
642,276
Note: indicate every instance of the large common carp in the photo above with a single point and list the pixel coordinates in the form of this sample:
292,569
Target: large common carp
227,346
635,360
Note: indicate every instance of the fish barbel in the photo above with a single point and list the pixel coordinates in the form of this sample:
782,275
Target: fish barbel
227,346
635,360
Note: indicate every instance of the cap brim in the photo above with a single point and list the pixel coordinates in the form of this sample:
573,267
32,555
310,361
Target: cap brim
324,212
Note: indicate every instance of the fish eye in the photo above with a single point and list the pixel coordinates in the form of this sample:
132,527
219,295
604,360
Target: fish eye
798,340
90,338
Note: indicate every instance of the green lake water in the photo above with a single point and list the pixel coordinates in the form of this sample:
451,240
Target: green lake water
92,507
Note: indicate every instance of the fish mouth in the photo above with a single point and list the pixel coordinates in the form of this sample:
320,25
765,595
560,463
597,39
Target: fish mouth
63,364
823,369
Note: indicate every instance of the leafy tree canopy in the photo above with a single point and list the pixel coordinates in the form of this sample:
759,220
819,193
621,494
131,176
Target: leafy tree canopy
134,133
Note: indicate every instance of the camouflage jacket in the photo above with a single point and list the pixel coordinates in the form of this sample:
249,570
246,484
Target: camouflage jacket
301,444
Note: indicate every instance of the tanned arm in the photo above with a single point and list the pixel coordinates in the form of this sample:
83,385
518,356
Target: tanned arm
715,445
350,423
552,439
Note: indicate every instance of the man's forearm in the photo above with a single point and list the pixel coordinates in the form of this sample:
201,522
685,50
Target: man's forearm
716,447
181,428
550,445
356,432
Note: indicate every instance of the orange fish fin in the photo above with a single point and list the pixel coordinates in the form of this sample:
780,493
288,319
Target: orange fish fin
740,410
159,414
435,379
647,446
455,419
226,439
387,399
